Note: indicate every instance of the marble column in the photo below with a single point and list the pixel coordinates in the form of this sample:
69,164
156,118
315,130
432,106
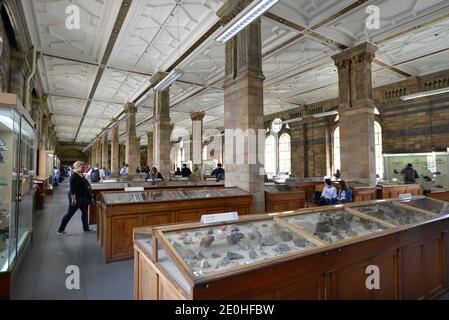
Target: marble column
122,155
243,107
98,152
161,127
196,150
150,149
356,109
115,153
105,150
132,154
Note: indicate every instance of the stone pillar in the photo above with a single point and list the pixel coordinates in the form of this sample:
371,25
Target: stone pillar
356,108
122,155
243,107
115,153
105,151
161,127
150,149
196,150
132,154
98,151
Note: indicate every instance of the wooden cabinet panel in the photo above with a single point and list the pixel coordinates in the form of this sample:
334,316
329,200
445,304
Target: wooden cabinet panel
304,290
156,219
433,267
216,210
149,291
190,215
242,210
122,229
412,273
349,282
167,291
277,207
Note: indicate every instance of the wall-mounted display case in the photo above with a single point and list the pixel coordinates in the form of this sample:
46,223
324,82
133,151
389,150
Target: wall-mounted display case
317,253
283,198
432,168
120,212
17,169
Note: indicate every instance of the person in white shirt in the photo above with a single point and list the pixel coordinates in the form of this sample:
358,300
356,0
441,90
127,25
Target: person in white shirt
124,170
329,194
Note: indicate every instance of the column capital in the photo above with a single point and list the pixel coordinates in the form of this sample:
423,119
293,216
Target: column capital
197,116
363,53
130,108
157,77
231,9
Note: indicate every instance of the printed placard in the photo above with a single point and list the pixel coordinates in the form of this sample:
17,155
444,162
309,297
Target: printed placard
134,189
405,196
220,217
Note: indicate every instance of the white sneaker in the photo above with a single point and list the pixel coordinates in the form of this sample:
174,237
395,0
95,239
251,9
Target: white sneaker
63,234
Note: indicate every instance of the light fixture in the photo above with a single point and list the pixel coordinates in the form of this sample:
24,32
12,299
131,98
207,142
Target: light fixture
169,79
425,94
248,15
325,114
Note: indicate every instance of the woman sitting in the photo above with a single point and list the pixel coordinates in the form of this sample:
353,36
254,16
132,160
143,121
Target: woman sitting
154,174
344,194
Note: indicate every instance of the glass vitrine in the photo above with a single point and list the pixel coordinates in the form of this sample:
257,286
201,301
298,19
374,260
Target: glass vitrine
335,225
394,213
433,205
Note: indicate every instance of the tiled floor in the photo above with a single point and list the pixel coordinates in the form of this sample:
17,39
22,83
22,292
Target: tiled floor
42,274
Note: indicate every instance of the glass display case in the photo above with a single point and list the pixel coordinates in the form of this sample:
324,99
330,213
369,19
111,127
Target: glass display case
17,171
395,213
433,205
279,188
432,168
169,195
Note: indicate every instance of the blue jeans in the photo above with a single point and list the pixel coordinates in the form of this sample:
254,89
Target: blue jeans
82,204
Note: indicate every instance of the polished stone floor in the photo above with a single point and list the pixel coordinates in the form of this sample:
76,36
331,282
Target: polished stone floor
43,272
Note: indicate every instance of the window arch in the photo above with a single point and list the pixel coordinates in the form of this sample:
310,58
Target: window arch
270,156
378,149
285,154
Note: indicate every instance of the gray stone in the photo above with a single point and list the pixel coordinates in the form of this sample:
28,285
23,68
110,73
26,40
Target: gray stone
282,248
252,254
215,255
286,236
234,256
234,237
300,242
267,241
207,241
204,264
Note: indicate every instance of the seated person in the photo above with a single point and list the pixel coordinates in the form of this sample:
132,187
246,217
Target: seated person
178,172
186,172
344,194
329,194
218,172
196,175
154,174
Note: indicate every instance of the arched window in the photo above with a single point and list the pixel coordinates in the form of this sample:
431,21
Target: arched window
205,153
270,156
336,150
378,149
285,154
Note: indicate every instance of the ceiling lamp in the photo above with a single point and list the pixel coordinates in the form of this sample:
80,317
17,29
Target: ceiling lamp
169,79
325,114
425,94
242,20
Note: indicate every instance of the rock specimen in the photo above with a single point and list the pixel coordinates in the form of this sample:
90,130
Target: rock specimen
234,256
215,255
252,254
234,237
282,248
286,236
300,242
267,241
207,241
204,264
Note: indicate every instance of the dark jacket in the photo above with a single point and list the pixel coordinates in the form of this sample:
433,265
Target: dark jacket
186,172
79,187
410,175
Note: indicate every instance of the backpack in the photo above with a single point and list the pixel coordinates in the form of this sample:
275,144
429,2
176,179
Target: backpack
95,175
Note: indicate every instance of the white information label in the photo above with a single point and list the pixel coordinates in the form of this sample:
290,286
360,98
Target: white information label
221,217
134,189
405,196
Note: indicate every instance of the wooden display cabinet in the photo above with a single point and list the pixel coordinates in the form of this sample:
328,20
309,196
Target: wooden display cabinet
283,198
412,256
390,190
307,185
121,212
97,188
362,192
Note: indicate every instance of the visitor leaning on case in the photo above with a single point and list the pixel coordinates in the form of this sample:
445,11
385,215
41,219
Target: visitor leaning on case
80,197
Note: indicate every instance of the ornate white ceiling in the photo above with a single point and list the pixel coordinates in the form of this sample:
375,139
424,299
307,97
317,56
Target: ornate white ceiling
301,72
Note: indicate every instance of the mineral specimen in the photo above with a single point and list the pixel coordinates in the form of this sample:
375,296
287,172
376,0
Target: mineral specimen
252,254
234,256
206,242
267,241
286,236
204,264
215,255
282,248
187,241
183,252
234,237
300,242
224,262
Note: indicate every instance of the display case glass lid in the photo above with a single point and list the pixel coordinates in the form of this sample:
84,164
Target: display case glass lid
170,195
335,225
180,184
436,206
210,250
109,186
394,213
280,188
